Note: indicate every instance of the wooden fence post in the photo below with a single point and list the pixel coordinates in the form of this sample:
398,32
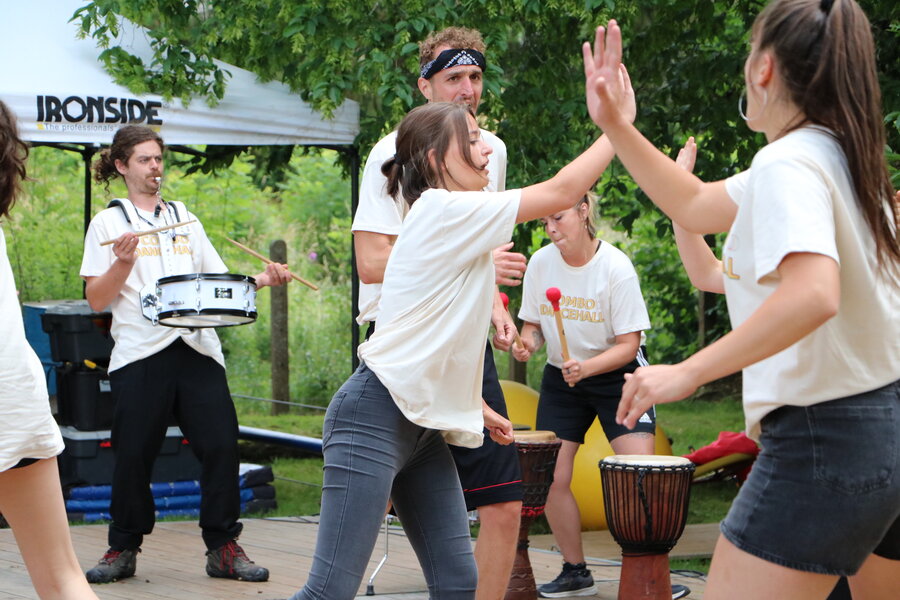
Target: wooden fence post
278,338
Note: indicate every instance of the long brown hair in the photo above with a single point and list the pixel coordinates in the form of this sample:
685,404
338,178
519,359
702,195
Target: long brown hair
13,153
124,141
427,128
827,57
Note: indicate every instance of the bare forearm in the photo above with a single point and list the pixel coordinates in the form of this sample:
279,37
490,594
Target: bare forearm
701,265
372,253
564,189
534,335
100,291
699,207
797,307
614,358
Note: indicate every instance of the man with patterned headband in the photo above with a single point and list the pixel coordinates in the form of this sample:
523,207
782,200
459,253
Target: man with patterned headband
452,64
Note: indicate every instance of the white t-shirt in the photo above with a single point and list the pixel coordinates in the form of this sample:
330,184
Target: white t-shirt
159,255
428,347
380,213
27,429
797,197
600,300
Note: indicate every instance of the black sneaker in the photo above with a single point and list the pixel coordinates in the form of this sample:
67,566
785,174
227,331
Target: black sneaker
680,591
575,580
230,561
115,565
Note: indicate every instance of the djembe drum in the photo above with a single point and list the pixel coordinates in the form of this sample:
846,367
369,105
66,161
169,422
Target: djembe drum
646,502
537,457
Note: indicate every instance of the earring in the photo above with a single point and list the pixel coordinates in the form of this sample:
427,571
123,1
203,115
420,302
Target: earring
741,105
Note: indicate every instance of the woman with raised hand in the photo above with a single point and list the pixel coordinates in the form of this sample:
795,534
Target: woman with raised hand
385,429
812,276
31,497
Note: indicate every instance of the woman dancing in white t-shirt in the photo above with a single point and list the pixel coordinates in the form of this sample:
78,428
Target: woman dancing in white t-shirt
385,429
31,498
811,268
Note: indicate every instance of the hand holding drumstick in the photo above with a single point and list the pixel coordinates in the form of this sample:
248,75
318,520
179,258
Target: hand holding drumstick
571,369
271,263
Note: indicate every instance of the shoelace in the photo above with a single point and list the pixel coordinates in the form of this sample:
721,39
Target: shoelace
230,552
110,557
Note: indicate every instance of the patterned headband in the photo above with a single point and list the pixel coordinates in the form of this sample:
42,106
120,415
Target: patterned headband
452,57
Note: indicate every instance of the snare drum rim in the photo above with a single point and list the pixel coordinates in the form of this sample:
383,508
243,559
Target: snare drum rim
174,314
233,277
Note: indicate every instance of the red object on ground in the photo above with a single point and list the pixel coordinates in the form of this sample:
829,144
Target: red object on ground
729,442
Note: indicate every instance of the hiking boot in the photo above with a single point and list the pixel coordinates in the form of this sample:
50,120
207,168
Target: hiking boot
230,561
680,591
115,565
575,580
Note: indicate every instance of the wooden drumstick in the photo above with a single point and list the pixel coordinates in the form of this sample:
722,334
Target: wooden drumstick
149,231
553,295
518,341
271,262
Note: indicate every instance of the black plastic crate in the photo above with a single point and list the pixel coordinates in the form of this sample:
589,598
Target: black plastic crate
76,332
83,398
88,458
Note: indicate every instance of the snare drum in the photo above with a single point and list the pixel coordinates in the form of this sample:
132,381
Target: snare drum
646,501
201,300
537,457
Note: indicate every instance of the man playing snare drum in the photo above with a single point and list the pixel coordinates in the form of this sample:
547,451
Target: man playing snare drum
157,371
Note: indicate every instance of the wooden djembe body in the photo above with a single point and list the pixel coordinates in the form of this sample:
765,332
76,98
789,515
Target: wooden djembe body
537,457
646,501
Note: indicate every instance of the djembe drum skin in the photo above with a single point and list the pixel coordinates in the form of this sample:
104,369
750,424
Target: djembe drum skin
646,501
537,457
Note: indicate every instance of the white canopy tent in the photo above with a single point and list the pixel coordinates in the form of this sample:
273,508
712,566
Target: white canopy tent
60,92
62,96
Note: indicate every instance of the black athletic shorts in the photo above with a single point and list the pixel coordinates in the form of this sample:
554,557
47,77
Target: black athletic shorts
489,474
570,411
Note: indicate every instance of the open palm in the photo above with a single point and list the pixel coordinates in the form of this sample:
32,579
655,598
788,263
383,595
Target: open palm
608,90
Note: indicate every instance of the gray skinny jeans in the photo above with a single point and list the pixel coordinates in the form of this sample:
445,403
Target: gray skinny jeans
373,454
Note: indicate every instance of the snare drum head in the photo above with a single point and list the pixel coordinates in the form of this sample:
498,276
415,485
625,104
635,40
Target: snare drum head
534,437
646,460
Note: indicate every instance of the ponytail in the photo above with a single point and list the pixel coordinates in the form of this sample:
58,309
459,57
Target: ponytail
827,56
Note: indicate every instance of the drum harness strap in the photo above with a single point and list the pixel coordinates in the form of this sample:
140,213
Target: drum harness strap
147,297
133,218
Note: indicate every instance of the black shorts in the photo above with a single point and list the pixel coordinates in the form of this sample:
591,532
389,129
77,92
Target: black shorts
570,411
489,474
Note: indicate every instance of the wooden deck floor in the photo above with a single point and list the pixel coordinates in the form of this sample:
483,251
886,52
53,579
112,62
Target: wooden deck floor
171,565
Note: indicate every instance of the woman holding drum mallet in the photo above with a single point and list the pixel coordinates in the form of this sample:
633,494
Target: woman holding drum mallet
604,317
811,275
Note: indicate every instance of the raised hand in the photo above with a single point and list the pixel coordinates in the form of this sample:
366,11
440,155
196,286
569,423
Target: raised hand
687,156
608,90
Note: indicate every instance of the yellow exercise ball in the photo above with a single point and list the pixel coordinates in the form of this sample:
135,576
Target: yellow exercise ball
522,401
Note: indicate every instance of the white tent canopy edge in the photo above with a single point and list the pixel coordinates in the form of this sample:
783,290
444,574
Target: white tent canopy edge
60,92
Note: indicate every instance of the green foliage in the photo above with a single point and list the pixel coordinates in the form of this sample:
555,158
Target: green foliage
687,78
